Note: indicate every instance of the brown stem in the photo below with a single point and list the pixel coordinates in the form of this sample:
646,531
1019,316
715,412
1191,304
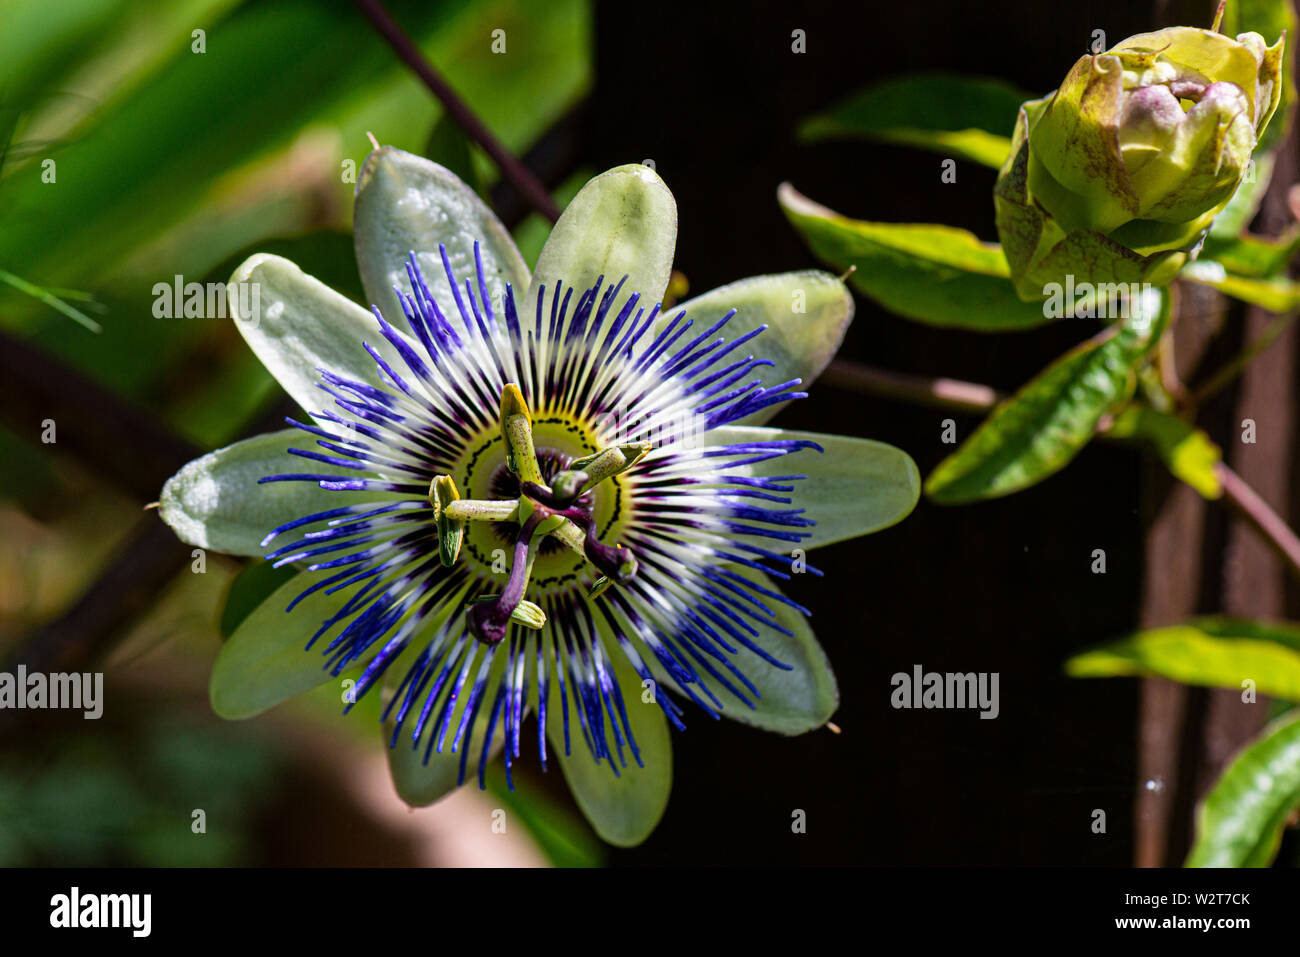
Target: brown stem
1260,515
511,168
923,390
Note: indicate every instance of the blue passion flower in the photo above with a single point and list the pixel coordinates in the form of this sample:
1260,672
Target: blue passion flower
536,512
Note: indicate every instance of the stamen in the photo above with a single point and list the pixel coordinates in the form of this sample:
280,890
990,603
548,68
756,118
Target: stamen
451,532
517,432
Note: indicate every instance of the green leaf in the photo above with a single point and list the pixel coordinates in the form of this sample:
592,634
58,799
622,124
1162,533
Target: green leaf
622,223
1188,452
1241,209
1240,822
406,203
794,701
216,502
50,299
939,275
964,116
301,325
1043,426
1254,257
253,584
806,314
622,809
1214,652
266,660
555,825
854,487
141,163
1276,295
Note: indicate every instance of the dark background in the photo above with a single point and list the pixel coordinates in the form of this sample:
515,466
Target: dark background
713,97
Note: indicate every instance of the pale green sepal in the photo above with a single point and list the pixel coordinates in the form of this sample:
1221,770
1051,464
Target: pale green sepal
854,487
302,325
623,222
420,783
216,502
806,314
622,809
266,660
404,204
794,701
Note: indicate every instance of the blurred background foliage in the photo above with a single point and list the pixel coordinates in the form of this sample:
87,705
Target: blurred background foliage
140,150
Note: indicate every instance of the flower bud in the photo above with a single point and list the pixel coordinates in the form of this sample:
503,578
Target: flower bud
1116,176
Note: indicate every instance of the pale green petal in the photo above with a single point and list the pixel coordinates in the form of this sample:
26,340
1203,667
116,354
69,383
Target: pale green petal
792,701
266,660
623,222
855,487
404,204
215,502
300,324
806,314
420,783
623,810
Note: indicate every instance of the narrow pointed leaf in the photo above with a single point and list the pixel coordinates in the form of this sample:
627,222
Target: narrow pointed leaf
806,314
1249,256
406,203
1276,295
623,810
1188,452
854,487
1043,426
1214,652
969,117
939,275
1240,822
622,223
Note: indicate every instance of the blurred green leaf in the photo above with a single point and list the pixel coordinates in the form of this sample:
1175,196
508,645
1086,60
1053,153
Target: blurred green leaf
1214,652
1188,452
964,116
559,832
1275,295
1240,821
1043,426
1249,256
50,299
1241,209
940,275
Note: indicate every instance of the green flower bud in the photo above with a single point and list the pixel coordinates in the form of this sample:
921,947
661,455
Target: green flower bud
1116,176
